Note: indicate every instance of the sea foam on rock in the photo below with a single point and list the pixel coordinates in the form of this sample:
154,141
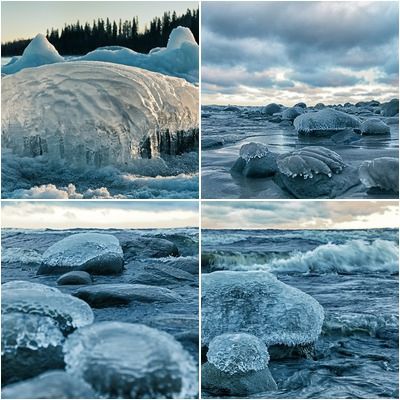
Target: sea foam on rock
255,161
108,294
97,114
131,361
259,304
39,52
382,173
96,253
313,172
54,384
237,365
324,122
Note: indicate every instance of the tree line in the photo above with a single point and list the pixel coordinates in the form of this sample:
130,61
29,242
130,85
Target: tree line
77,39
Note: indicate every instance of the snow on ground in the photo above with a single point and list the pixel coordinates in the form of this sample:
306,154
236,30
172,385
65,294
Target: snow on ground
180,58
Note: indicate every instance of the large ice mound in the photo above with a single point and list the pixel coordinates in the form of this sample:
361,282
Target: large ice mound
82,114
180,58
96,253
131,361
67,311
382,173
259,304
324,122
238,352
39,52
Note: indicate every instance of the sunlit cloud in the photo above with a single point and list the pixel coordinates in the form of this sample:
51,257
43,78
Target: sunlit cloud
102,214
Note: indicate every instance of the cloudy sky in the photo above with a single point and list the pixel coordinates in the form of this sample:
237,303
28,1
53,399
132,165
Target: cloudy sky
25,19
299,215
286,52
99,214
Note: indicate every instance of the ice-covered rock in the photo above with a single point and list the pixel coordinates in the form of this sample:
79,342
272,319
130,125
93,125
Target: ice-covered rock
163,275
245,384
301,105
96,253
238,352
30,345
319,106
324,122
255,161
259,304
131,361
75,278
272,108
39,52
313,172
374,126
16,285
310,161
382,173
97,114
180,58
50,385
391,108
291,113
232,109
67,311
109,295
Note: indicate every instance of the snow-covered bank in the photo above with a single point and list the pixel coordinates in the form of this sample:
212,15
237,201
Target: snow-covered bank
180,58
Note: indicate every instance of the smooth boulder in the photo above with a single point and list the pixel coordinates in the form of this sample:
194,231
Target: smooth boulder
374,126
75,278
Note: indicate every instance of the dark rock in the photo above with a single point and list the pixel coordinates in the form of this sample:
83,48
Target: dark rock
391,108
162,275
221,383
75,278
148,247
109,295
272,108
301,105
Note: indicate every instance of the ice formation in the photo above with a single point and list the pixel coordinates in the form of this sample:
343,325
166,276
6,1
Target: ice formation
238,352
374,126
50,385
67,311
131,361
93,114
39,52
180,58
382,172
310,161
20,255
30,344
97,253
324,121
257,303
255,161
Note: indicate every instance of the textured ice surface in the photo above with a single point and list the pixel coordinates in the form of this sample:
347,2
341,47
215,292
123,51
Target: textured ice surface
15,285
325,121
39,52
380,173
67,311
253,150
180,58
131,361
259,304
238,352
310,161
374,126
28,331
50,385
94,252
97,114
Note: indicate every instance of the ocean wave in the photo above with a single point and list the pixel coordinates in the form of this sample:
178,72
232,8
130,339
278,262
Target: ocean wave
352,257
381,326
20,255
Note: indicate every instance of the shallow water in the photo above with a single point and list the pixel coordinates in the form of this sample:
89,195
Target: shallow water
356,355
24,247
244,126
